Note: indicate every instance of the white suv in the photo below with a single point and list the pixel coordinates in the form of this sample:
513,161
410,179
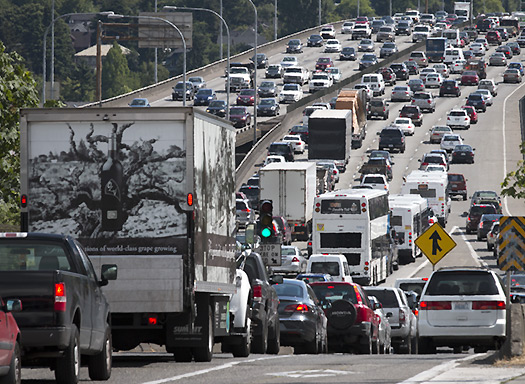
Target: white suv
462,307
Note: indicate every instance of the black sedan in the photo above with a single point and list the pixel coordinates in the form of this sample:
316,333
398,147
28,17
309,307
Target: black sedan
268,107
217,107
348,53
463,153
315,41
303,322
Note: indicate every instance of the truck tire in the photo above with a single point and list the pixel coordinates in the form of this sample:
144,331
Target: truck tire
68,366
260,342
274,340
243,350
99,365
205,353
14,376
182,355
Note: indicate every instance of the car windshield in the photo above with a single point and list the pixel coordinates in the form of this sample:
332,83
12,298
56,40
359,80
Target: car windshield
455,178
181,85
288,251
329,267
333,71
218,103
387,297
247,92
333,292
450,138
250,191
205,92
402,121
26,255
294,42
267,102
421,96
457,113
138,102
369,57
267,84
291,87
235,71
459,283
324,60
390,133
237,111
461,148
373,179
289,290
195,80
389,45
289,59
274,67
366,42
348,50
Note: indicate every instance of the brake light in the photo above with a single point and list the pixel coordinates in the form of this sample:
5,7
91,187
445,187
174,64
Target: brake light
488,305
402,316
60,297
429,101
435,305
296,308
295,260
257,292
246,210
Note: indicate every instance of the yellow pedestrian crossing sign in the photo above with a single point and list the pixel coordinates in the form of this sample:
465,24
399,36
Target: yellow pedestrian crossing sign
435,243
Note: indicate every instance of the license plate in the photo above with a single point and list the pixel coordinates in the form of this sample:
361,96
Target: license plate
461,305
454,185
463,154
375,113
390,145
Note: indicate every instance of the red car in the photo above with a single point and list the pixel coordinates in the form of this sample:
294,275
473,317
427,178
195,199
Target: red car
323,63
493,37
352,323
470,78
471,112
246,97
10,353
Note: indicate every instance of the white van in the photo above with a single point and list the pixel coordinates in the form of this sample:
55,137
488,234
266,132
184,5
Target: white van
452,36
376,83
335,265
452,54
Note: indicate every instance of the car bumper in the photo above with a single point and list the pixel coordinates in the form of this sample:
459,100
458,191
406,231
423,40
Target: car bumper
400,332
296,330
59,337
458,334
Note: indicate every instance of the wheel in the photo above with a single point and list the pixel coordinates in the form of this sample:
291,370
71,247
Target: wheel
14,376
205,353
274,341
243,350
312,347
99,365
182,355
464,197
68,366
260,342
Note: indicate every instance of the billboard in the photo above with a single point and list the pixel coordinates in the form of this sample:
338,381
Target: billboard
154,33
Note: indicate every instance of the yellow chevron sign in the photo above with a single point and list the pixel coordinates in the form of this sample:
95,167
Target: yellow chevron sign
511,243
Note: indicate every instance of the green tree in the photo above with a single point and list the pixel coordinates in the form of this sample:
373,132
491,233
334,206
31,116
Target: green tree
80,86
348,9
115,73
514,183
17,90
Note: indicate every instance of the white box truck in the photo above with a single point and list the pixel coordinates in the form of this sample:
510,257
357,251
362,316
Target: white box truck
462,8
291,187
152,191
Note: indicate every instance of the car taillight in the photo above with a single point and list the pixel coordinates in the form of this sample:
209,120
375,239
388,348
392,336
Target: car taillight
435,305
424,163
295,259
487,305
402,316
296,308
257,292
60,297
429,101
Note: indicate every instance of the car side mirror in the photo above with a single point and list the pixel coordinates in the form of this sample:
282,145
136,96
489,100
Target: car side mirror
108,272
378,133
13,305
276,279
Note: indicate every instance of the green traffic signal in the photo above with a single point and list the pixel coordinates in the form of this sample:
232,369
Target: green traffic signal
266,232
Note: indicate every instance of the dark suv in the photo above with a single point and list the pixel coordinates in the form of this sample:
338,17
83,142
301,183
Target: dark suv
391,138
449,87
352,323
401,71
493,37
377,108
282,149
477,101
414,112
475,213
457,185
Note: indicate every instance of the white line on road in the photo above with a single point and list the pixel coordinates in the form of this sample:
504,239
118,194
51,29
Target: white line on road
438,370
505,145
217,368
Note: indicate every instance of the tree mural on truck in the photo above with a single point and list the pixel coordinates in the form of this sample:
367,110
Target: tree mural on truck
65,183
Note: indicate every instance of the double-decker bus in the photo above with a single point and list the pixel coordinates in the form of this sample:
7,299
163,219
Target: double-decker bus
356,223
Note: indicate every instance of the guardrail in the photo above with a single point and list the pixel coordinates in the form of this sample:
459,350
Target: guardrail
163,88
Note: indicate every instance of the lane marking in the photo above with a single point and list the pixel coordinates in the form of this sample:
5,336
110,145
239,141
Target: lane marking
505,199
432,373
311,373
217,368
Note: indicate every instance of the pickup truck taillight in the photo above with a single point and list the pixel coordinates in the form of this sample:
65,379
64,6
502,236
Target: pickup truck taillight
402,316
257,292
60,297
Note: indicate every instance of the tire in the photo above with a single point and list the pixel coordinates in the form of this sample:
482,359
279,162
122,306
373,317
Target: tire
425,346
366,347
205,353
464,197
14,376
260,342
274,341
312,347
243,350
68,366
99,365
182,355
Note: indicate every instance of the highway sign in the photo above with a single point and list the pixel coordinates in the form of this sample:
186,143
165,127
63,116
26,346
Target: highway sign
155,33
270,253
511,243
435,243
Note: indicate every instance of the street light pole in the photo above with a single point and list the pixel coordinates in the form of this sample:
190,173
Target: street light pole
44,61
53,51
358,4
275,22
228,49
220,36
116,16
156,55
319,16
255,78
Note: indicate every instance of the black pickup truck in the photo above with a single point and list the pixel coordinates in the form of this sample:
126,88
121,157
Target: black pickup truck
265,318
65,315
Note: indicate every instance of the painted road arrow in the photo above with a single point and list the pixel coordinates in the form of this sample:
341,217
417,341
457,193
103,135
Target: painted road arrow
435,243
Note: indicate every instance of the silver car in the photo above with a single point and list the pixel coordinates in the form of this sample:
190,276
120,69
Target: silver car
401,93
244,213
425,101
292,261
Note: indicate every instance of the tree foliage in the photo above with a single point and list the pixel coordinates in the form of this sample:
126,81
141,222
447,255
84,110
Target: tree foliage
514,183
17,90
116,76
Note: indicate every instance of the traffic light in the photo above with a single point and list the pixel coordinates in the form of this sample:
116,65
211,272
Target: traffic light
266,230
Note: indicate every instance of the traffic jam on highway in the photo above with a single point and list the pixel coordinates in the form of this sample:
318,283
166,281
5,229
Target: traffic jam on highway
341,236
370,223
